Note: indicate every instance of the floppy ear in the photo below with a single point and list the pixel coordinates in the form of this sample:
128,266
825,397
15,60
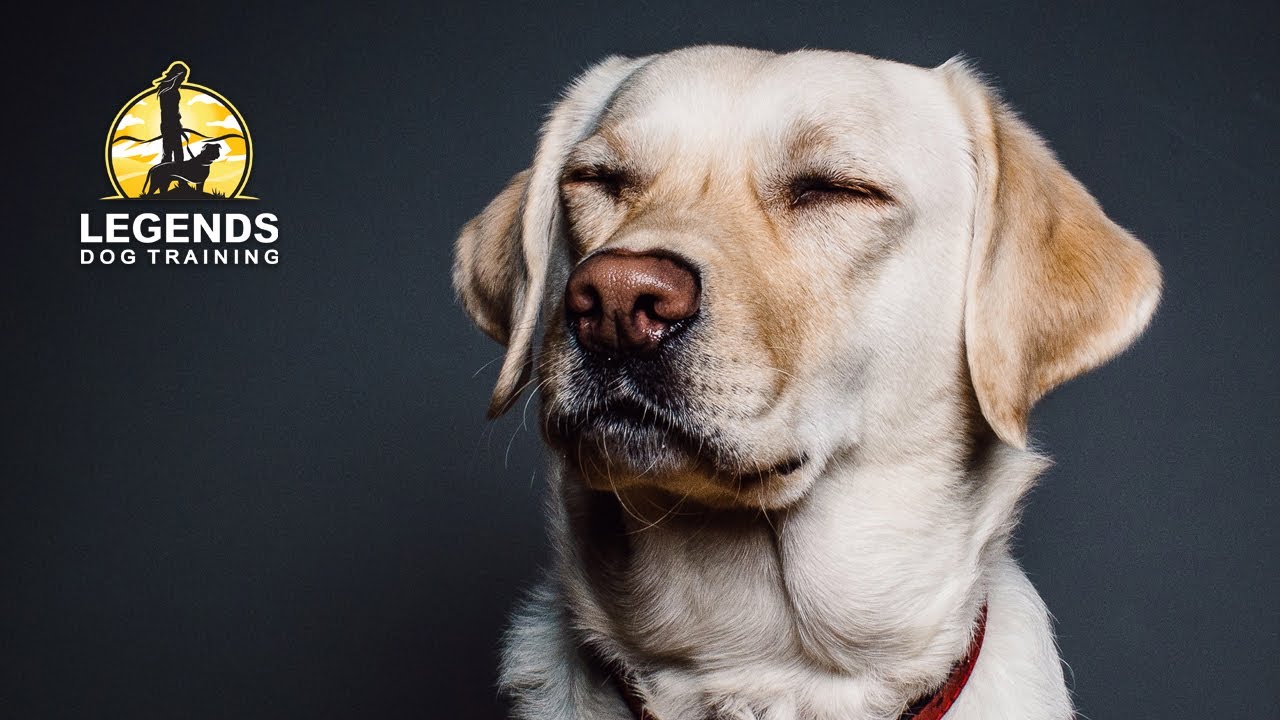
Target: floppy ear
1055,288
488,262
502,255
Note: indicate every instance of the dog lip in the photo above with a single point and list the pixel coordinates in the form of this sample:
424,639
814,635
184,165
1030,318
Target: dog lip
626,415
781,469
635,412
697,447
622,411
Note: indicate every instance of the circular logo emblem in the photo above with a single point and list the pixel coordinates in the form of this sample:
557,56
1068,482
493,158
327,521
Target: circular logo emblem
178,140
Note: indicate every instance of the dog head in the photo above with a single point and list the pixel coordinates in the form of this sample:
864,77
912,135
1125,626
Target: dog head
727,267
208,153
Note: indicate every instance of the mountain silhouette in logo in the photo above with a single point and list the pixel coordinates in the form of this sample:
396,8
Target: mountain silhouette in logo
178,140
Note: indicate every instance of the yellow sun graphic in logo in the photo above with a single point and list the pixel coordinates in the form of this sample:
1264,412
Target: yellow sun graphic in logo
179,140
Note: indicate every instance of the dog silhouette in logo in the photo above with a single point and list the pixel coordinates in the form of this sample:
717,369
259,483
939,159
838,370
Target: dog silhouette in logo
192,172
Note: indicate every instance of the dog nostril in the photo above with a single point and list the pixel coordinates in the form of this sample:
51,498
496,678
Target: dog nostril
584,299
673,307
648,304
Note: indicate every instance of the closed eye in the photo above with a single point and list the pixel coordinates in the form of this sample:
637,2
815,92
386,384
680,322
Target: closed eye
809,190
611,181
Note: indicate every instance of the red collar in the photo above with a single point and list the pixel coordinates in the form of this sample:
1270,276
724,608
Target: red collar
929,707
933,707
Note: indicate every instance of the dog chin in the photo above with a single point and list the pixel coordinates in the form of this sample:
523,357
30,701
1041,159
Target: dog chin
617,453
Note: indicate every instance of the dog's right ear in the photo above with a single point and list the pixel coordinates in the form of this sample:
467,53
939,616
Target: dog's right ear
502,255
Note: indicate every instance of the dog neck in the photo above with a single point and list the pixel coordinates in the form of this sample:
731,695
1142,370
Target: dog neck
929,707
865,591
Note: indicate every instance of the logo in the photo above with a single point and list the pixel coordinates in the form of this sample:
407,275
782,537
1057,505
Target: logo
179,140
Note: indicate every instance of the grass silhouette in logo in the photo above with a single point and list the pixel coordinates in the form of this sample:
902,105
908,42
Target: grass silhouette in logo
186,192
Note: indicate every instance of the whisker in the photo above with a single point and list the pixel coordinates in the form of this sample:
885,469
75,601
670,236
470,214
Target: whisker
482,367
667,514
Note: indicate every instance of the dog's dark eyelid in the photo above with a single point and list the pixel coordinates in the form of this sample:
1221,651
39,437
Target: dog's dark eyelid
611,179
813,188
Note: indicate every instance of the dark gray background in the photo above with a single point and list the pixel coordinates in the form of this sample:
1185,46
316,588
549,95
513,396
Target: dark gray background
269,491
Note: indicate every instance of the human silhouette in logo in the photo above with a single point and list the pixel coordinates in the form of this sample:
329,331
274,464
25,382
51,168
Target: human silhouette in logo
167,92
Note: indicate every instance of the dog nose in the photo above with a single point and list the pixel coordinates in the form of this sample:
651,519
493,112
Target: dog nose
627,303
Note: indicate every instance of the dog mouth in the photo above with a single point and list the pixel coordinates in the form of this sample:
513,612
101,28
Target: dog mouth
647,438
777,470
623,427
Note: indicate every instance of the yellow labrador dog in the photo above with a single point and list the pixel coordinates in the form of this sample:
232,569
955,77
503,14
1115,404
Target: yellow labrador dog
788,314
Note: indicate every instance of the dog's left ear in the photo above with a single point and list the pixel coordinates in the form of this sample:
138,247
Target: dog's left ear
1055,288
502,256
